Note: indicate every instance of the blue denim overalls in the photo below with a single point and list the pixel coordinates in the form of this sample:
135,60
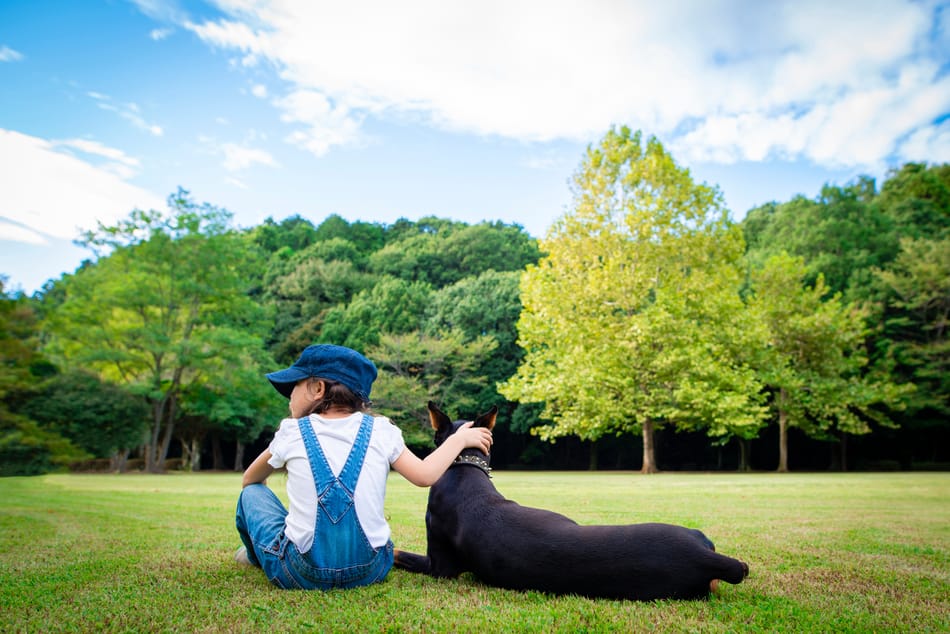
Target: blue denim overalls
341,555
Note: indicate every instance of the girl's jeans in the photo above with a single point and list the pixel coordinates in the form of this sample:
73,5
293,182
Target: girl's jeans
260,522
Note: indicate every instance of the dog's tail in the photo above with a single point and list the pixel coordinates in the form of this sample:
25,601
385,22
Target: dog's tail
731,570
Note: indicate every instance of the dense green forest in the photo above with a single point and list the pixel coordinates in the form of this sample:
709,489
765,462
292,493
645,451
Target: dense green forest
647,330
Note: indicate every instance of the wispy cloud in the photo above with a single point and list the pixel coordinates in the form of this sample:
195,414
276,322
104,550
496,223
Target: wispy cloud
128,111
117,161
48,191
16,232
546,161
847,82
239,157
163,10
7,54
160,34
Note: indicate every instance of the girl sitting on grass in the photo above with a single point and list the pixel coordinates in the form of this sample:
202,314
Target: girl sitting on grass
337,457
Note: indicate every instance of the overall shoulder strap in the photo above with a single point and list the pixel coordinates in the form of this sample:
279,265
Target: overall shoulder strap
354,463
322,474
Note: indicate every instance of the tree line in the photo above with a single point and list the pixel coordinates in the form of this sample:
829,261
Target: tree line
646,310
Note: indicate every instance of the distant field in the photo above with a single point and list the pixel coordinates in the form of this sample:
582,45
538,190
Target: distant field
828,553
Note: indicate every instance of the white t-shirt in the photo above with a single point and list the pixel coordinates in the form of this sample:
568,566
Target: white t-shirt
336,437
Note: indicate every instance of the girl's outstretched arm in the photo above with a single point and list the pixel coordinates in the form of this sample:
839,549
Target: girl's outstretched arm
259,470
424,473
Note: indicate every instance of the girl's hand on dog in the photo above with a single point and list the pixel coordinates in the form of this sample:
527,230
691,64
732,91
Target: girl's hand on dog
475,437
426,472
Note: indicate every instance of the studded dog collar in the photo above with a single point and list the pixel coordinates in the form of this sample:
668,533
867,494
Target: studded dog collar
475,461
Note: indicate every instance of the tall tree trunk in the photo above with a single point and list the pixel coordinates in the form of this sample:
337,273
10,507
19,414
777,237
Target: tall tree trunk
185,454
649,458
118,460
170,405
217,456
782,441
195,463
239,456
744,455
839,453
592,461
162,452
151,450
844,451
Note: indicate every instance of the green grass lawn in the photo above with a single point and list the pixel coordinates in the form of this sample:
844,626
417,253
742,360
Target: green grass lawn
138,553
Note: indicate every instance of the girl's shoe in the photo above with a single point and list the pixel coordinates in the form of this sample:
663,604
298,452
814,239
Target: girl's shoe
241,556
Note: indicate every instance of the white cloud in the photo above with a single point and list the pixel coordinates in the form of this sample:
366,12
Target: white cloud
120,164
18,233
834,82
7,54
325,125
229,34
238,157
547,161
932,142
54,193
164,10
129,111
259,90
160,34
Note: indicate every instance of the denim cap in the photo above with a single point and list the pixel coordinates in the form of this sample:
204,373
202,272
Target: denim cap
327,361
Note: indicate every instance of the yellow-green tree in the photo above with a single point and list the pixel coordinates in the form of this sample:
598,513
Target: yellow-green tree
633,320
815,366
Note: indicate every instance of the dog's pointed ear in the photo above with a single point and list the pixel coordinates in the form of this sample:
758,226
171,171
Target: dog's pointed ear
487,419
437,418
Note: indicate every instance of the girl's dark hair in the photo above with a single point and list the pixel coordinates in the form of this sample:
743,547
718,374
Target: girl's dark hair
337,394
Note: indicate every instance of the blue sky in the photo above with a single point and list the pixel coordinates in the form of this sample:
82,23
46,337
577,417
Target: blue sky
474,111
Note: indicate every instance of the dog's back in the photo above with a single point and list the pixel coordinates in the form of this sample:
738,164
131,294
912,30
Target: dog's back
512,546
472,527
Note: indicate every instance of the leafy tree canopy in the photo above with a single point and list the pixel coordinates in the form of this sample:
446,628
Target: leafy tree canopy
366,237
26,447
450,252
917,198
841,234
917,322
293,233
416,368
815,360
99,417
392,306
163,308
632,317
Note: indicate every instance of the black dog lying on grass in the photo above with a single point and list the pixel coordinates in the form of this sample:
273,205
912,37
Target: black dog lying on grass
470,526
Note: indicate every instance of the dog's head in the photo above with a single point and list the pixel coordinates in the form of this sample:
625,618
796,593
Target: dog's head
445,427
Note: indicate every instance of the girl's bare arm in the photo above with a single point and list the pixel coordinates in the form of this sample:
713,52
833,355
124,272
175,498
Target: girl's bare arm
424,473
259,470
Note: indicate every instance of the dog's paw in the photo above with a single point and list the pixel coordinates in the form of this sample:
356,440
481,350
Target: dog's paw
410,561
